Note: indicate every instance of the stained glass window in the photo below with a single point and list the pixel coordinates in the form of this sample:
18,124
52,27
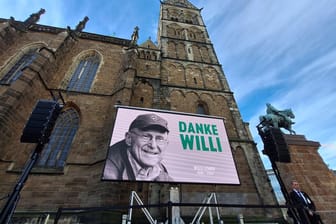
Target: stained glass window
56,151
84,74
16,71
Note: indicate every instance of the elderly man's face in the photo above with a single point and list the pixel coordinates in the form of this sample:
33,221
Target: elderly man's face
148,146
295,185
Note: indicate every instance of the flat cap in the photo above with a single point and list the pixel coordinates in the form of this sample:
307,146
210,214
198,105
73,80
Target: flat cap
148,121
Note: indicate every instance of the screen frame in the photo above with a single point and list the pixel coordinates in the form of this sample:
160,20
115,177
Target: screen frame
160,111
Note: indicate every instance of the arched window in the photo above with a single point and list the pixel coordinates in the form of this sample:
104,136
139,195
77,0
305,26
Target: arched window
84,74
201,109
56,151
16,71
148,56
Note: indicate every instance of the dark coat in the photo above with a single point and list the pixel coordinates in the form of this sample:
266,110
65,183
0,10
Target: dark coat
117,163
305,209
298,201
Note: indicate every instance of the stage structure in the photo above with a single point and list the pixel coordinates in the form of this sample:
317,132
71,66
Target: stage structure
196,149
37,130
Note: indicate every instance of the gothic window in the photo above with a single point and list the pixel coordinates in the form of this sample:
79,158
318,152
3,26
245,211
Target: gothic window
192,19
56,151
178,33
84,74
148,56
189,21
205,54
195,20
201,109
154,57
196,53
196,34
181,50
17,70
192,35
171,49
142,54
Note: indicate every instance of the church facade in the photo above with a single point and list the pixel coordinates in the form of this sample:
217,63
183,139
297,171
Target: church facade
92,73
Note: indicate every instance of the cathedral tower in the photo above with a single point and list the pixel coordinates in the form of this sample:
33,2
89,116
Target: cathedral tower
193,81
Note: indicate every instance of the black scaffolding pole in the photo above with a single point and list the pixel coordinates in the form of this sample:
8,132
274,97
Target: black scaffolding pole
9,208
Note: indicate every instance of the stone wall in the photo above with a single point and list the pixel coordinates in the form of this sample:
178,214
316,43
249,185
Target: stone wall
315,178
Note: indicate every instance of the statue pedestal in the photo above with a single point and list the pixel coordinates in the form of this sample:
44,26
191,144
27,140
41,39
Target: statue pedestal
315,178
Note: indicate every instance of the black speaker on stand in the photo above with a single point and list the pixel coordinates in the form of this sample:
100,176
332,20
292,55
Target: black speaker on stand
275,145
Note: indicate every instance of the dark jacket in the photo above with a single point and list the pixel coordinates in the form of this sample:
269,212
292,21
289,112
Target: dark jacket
305,209
298,201
117,164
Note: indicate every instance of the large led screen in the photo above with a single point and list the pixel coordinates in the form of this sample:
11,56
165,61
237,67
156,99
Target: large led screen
164,146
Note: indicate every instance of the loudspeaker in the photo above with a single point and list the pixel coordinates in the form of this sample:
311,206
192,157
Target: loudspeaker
41,122
275,145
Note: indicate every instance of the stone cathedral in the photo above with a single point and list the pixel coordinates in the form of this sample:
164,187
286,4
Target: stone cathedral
92,73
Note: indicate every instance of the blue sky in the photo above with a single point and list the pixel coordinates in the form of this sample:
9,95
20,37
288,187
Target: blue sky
281,52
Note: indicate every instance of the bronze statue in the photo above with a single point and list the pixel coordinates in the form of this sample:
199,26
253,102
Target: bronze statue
278,118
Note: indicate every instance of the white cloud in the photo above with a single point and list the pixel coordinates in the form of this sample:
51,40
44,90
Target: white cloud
286,50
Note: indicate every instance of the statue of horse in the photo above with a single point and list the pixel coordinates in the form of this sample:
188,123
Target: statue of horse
279,119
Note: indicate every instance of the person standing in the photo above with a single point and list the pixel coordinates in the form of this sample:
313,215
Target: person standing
304,205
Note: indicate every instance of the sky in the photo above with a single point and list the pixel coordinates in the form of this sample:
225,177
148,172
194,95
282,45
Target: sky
281,52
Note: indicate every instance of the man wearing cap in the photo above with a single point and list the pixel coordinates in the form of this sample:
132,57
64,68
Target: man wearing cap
139,155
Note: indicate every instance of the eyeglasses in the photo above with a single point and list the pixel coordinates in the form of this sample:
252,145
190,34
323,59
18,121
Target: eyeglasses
146,138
